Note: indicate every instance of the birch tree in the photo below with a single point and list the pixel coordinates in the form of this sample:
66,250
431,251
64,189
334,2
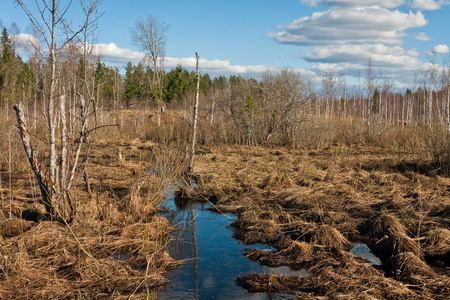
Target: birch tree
149,34
195,117
48,18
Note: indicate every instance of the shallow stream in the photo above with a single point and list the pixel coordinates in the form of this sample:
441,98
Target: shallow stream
213,258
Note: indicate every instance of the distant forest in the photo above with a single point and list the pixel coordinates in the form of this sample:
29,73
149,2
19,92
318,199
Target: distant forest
78,71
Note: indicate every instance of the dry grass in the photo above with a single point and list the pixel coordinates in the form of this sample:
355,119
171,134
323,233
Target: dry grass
312,204
410,268
437,241
335,184
115,245
386,224
396,244
331,279
328,236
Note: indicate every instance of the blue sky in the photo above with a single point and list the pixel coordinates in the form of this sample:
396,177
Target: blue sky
246,37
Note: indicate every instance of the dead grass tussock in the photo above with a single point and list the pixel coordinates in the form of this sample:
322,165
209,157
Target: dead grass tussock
331,286
277,180
386,224
251,230
345,265
82,279
151,231
408,266
328,236
437,241
351,278
395,244
269,283
13,227
299,249
296,254
94,264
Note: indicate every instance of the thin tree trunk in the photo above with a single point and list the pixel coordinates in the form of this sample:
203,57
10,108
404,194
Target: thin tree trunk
212,110
63,172
158,115
35,110
43,178
86,182
194,127
84,109
51,102
448,107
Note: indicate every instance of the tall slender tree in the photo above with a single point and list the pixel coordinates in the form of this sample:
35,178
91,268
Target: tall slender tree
149,34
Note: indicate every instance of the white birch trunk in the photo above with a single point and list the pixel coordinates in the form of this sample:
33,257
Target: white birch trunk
194,126
63,167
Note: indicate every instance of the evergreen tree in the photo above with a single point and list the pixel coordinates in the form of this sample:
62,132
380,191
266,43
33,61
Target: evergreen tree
376,102
130,85
205,83
26,82
249,104
8,69
177,84
220,83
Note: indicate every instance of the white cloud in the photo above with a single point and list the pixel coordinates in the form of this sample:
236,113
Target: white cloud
438,49
352,60
415,4
215,66
428,4
114,55
111,54
380,55
370,24
219,67
348,3
422,37
403,75
24,42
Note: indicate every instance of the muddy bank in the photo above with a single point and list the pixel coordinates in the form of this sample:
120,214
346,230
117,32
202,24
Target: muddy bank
313,207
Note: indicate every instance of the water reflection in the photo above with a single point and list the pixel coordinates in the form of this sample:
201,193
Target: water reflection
213,259
362,250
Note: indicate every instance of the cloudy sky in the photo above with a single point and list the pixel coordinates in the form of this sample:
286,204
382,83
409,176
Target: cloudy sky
247,37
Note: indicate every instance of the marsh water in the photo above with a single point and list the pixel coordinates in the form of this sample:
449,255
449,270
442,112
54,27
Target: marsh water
213,259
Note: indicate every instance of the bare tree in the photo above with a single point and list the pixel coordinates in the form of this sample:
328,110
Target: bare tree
195,117
48,17
370,83
149,34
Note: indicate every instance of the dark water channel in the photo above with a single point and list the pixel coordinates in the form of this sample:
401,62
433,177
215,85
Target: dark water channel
213,258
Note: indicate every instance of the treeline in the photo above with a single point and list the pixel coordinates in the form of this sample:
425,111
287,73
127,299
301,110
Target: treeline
426,102
244,100
17,79
177,83
27,81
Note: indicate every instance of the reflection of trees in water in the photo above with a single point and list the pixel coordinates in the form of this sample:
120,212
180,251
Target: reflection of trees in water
184,244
